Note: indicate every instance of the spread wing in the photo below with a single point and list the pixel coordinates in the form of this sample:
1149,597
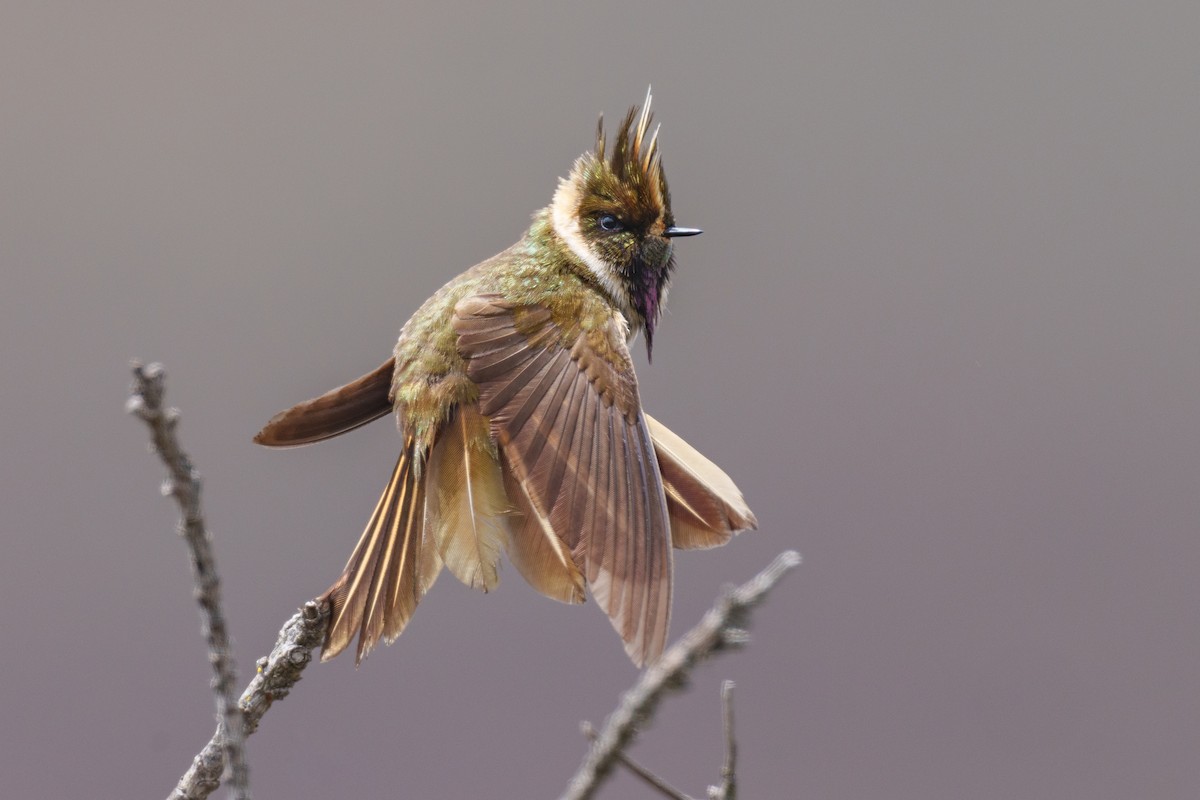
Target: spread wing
576,452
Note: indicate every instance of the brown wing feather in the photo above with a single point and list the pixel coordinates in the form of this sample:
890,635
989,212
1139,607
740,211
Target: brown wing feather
391,568
333,413
577,453
706,507
466,511
538,553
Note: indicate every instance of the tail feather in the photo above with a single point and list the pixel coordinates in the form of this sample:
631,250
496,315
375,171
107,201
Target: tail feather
333,413
391,568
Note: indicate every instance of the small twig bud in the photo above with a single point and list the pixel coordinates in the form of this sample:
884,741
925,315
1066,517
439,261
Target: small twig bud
136,405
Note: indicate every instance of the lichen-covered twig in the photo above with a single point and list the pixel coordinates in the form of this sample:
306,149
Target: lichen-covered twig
722,628
183,483
277,674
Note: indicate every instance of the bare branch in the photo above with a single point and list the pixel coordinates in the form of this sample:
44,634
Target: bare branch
722,628
277,674
183,483
657,783
728,788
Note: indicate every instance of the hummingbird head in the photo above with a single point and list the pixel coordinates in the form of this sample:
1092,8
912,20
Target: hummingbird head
614,212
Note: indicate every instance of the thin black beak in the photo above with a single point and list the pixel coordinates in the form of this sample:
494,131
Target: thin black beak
673,231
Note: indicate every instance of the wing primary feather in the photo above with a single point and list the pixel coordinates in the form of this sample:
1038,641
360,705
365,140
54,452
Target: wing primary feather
581,489
609,505
657,615
646,566
633,543
598,478
566,461
535,550
599,566
529,395
549,450
705,507
534,439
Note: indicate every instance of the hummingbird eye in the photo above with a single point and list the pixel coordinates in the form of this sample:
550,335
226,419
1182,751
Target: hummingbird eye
610,223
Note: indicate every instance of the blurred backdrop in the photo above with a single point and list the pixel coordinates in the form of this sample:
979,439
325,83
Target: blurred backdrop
941,328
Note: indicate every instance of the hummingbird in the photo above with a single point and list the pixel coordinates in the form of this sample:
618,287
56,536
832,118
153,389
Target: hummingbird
516,401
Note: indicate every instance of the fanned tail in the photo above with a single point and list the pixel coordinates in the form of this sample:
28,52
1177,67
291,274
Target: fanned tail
390,570
705,506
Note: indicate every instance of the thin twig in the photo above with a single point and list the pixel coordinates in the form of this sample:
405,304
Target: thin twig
183,483
722,628
277,674
637,769
728,788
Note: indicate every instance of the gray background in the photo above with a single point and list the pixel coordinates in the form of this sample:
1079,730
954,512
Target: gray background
942,328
